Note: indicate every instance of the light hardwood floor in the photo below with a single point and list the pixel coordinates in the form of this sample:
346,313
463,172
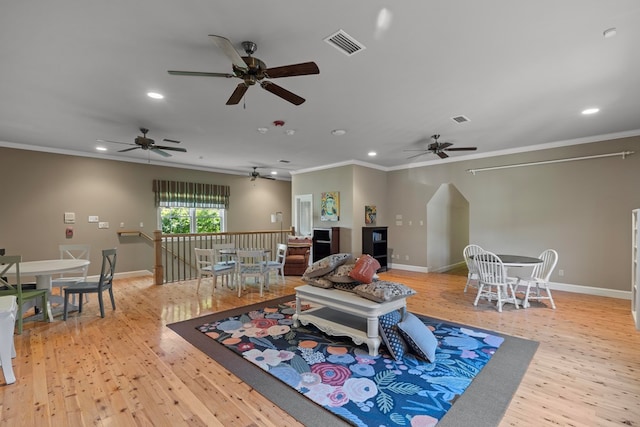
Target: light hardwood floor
129,369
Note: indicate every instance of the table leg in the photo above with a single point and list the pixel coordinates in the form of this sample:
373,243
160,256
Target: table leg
296,323
373,338
44,282
8,349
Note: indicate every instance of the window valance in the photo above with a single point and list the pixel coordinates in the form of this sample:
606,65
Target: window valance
190,194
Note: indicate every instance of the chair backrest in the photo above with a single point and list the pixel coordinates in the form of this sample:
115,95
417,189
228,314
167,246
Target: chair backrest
281,253
251,261
490,268
6,262
549,260
468,252
108,269
78,251
204,258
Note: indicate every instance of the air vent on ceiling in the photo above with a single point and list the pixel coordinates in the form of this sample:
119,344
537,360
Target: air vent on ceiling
460,119
345,43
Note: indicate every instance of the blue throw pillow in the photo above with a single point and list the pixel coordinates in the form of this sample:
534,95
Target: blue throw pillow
391,337
419,337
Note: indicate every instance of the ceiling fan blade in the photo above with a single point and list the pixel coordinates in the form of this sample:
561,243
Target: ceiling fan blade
227,47
199,74
462,149
302,69
128,149
158,151
416,150
162,147
115,142
444,145
237,94
417,155
282,93
267,177
442,154
171,140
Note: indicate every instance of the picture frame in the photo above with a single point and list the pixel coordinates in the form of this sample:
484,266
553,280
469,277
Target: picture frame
370,215
330,206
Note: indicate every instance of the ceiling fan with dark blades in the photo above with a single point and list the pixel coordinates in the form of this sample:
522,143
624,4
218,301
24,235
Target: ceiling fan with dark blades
439,148
255,174
144,143
252,70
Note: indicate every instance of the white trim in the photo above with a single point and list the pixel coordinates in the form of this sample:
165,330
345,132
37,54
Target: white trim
123,275
415,268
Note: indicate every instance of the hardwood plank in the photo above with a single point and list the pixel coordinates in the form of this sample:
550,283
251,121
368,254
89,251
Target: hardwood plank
130,369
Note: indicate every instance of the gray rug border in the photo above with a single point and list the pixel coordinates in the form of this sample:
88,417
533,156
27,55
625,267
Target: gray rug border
483,403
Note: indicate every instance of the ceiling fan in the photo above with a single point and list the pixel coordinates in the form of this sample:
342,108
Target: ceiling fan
439,148
144,143
255,174
252,70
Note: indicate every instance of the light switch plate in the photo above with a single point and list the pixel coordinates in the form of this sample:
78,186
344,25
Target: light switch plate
69,217
93,219
103,225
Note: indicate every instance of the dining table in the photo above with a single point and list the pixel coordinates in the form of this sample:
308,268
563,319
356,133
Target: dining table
43,271
231,253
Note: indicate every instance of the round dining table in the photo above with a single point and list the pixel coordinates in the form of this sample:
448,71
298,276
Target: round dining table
43,270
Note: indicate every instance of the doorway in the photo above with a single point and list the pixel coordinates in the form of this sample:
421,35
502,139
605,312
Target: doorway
303,214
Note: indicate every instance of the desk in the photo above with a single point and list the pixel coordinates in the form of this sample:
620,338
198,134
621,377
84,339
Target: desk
43,270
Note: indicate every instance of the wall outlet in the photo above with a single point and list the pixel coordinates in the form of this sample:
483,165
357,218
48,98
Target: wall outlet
93,218
560,273
141,224
406,257
103,225
122,225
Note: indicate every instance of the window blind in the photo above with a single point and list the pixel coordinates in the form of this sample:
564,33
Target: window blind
190,194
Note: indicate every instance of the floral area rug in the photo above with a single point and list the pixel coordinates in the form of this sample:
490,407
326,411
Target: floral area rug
343,378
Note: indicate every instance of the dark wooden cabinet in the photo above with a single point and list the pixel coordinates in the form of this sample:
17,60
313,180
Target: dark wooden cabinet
374,243
326,241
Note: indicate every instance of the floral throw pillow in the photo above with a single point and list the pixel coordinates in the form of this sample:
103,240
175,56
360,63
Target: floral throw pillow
319,282
390,334
419,337
341,274
383,291
326,265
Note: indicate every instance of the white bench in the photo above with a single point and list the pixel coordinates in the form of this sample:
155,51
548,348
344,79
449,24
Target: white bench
342,313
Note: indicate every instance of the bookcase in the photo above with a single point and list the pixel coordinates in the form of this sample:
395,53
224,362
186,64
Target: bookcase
374,243
325,242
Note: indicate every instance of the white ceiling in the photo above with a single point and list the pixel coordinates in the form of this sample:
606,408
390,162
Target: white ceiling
72,72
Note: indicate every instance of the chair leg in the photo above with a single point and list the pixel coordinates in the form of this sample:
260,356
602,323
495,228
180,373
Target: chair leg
113,301
480,288
80,304
19,317
101,303
198,286
467,285
66,305
553,304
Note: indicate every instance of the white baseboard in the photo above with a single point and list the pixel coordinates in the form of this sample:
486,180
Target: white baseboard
567,287
124,275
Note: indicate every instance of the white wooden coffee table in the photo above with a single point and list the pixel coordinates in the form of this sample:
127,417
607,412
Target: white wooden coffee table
342,313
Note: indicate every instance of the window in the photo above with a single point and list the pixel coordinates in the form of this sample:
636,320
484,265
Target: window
186,207
178,220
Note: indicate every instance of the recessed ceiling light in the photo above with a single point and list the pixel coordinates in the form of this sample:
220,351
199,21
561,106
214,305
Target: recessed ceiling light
338,132
610,32
263,130
155,95
274,172
289,132
372,153
590,111
101,148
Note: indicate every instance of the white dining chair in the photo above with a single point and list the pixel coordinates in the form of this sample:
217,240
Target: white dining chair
8,311
277,265
207,265
540,279
473,276
251,263
494,283
77,251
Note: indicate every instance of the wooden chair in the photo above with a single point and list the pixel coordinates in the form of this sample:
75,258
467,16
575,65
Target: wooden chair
493,283
473,275
207,265
252,264
540,279
104,283
22,295
278,264
79,251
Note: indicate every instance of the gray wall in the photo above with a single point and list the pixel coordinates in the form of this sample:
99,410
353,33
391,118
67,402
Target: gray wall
37,188
582,209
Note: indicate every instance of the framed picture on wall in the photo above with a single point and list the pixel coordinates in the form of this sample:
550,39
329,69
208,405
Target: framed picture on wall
370,215
330,206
